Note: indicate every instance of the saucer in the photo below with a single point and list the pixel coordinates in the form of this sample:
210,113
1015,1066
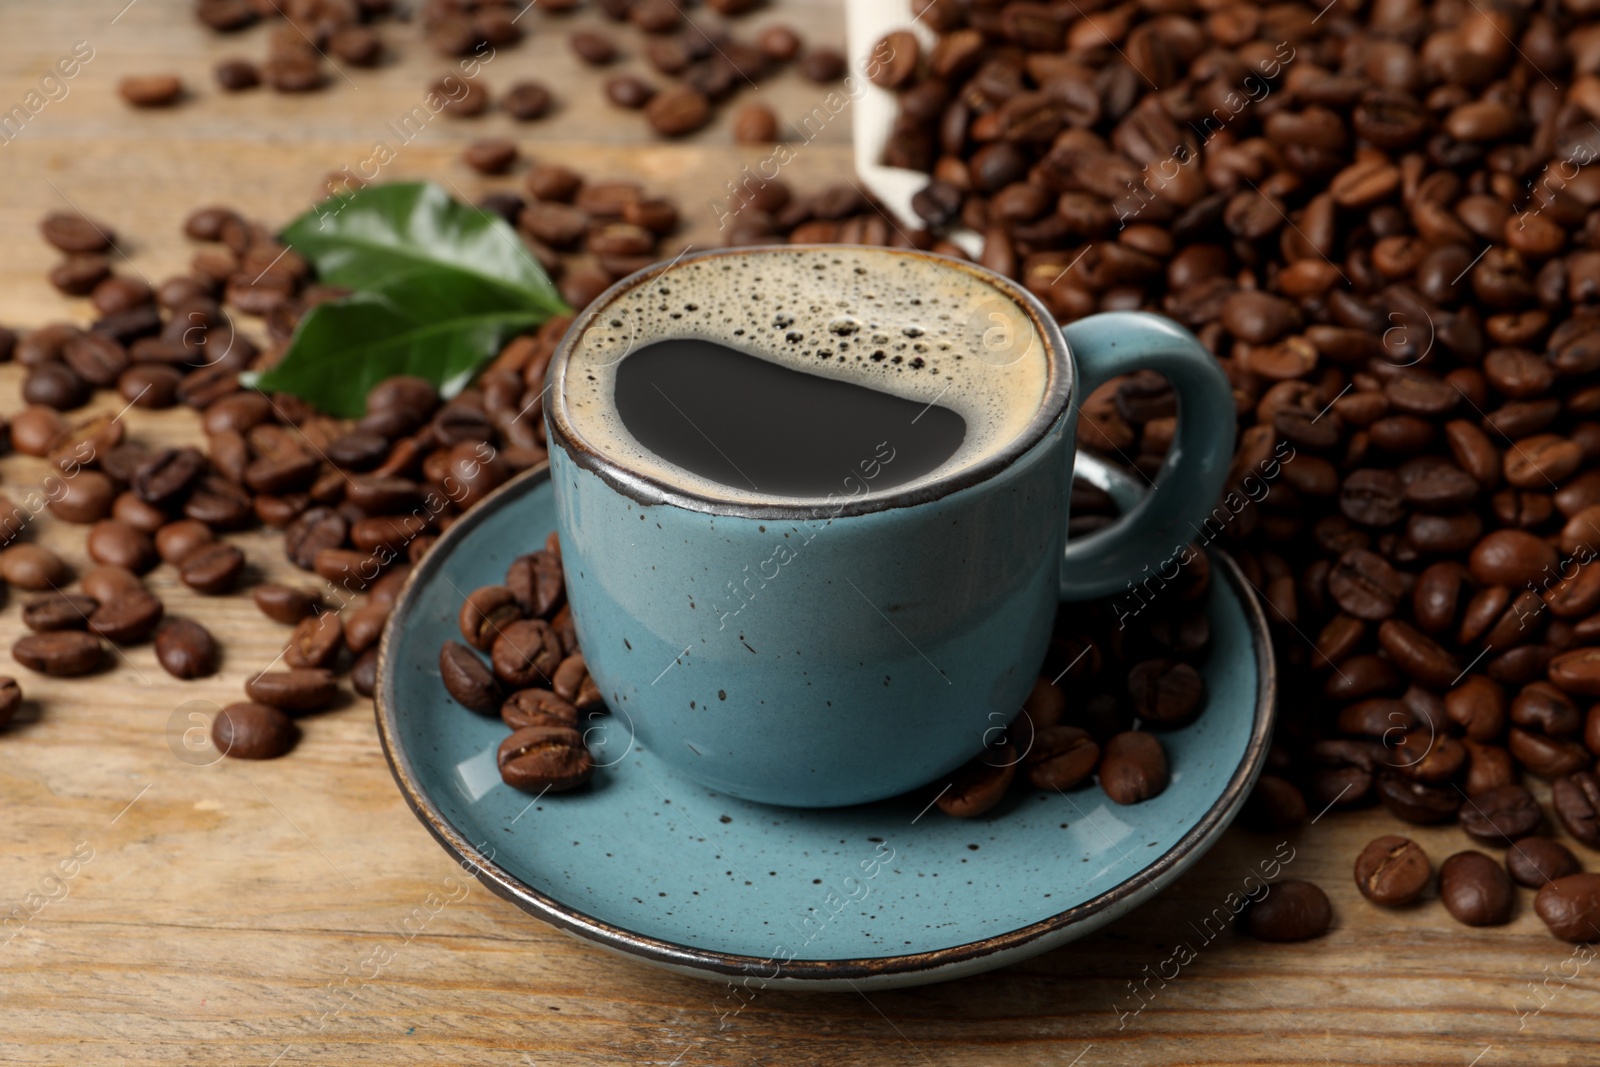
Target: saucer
652,865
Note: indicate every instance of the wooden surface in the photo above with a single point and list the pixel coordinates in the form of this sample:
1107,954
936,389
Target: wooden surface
226,905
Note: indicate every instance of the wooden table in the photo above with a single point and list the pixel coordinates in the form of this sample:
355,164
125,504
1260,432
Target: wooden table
224,903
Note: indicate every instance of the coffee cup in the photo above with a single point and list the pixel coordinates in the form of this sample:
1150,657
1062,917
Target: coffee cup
813,506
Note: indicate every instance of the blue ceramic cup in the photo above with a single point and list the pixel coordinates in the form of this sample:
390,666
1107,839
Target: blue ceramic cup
838,650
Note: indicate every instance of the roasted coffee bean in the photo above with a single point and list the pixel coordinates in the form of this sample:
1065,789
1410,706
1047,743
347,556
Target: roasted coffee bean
296,691
175,540
253,731
115,542
980,783
540,759
63,654
1501,815
1570,907
108,582
315,530
468,679
525,653
128,618
58,611
212,568
1476,890
1274,804
365,626
1133,767
185,649
1418,654
364,673
537,707
490,155
677,110
167,475
32,567
84,498
1575,799
595,49
536,580
1061,757
569,676
71,232
1547,757
1165,692
1478,706
1392,871
35,430
151,90
526,101
1488,767
1291,910
1533,861
316,641
1365,585
282,603
136,513
1419,803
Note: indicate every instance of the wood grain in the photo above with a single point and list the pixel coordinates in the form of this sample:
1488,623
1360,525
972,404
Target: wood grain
226,907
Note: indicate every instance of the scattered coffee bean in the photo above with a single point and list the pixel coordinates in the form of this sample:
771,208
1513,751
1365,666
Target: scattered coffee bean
253,731
1133,768
151,90
63,654
1392,871
1476,890
185,649
1292,910
297,691
468,679
538,759
1533,861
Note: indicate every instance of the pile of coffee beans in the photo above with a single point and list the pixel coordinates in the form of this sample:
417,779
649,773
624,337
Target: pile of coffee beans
1106,673
536,679
1381,219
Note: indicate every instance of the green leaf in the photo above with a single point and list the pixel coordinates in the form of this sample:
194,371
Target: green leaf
374,234
439,325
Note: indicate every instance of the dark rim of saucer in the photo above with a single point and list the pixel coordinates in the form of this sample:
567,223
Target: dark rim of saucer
650,490
1135,888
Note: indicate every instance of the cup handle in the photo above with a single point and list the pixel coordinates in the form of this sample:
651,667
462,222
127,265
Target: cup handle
1190,481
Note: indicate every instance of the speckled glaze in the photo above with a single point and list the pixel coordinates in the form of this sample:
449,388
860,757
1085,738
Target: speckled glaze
822,654
647,863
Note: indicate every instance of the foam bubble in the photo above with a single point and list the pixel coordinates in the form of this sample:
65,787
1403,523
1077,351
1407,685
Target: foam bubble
906,325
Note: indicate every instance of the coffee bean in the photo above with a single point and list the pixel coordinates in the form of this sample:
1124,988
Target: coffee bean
525,653
1365,585
212,568
1417,802
167,475
1478,706
526,101
175,540
468,679
299,690
1417,654
32,567
1511,557
1575,798
1133,767
1476,890
366,623
1570,907
1547,757
1061,757
677,110
136,513
1292,910
253,731
313,531
1373,498
1501,815
364,673
55,385
595,49
84,498
1533,861
755,124
128,618
822,65
185,649
979,784
316,641
108,582
151,90
537,582
63,654
35,430
282,603
1392,871
236,75
540,759
537,707
71,232
115,542
1165,692
58,611
490,155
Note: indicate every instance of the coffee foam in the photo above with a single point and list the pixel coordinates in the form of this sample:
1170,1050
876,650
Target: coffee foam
906,325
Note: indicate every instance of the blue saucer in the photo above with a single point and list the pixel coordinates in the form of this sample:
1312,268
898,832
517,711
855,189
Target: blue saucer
889,894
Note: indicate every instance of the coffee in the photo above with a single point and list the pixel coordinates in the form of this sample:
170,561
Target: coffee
706,408
873,354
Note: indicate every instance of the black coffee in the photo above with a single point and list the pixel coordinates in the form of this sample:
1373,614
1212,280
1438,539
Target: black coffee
752,424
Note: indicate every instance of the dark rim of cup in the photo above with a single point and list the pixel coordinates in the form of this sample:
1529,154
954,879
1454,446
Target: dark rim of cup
650,490
932,965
